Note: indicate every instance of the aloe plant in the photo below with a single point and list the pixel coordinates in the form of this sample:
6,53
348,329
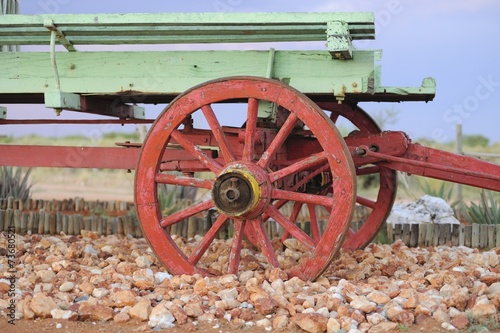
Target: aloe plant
487,211
169,199
14,184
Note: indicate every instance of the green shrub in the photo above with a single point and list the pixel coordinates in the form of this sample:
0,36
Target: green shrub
487,211
14,184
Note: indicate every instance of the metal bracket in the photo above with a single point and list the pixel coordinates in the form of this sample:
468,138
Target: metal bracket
49,24
267,110
339,40
3,112
59,100
57,34
270,63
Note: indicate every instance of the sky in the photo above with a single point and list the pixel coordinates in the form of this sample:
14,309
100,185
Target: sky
454,41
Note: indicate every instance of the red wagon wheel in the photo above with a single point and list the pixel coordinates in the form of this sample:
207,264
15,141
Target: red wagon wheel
245,179
379,207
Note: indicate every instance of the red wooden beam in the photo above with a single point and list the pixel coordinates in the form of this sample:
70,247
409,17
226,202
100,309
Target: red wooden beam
73,121
69,157
434,163
90,157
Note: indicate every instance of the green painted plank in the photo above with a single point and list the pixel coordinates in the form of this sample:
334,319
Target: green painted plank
175,39
174,72
316,30
194,19
162,28
26,74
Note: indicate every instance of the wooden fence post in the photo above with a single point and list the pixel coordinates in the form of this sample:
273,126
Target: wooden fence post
414,233
422,229
483,236
65,222
454,234
491,236
79,224
59,218
24,223
10,202
32,228
475,235
2,220
390,233
71,224
119,226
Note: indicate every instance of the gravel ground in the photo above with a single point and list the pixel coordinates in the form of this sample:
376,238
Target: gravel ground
118,284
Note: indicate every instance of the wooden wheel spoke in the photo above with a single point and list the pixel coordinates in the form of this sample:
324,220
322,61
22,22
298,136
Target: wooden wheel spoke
186,213
209,237
163,178
196,151
315,229
293,217
350,233
304,164
295,211
264,242
366,202
278,141
307,198
334,116
293,229
280,203
250,129
235,254
218,133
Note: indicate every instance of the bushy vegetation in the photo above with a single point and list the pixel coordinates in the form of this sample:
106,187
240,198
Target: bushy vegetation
475,141
173,198
13,183
167,199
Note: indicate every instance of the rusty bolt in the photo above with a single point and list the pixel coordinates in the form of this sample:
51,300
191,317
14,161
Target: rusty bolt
360,151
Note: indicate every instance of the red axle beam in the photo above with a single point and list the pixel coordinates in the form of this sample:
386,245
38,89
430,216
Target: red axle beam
392,150
434,163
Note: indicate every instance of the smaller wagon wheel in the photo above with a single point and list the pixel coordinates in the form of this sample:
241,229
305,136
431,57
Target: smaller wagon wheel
244,179
379,207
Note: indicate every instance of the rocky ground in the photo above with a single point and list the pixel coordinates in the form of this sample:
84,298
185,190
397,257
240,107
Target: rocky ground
86,284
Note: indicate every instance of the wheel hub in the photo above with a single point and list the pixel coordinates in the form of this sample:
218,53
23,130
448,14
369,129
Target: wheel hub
241,191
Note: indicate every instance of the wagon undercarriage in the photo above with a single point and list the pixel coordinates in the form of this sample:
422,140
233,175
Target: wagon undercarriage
285,150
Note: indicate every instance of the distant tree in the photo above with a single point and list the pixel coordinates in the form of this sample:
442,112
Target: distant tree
386,117
475,140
